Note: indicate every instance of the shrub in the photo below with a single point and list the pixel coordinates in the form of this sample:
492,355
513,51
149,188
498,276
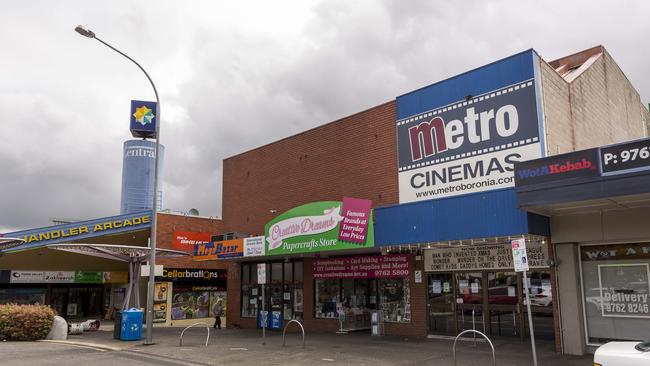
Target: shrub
25,322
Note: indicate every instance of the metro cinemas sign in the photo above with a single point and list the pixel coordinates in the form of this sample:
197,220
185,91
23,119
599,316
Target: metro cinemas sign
468,146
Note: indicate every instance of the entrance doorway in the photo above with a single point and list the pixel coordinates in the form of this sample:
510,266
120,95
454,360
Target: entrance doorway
441,304
490,302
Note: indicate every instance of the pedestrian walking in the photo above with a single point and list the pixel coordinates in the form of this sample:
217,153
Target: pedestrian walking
217,309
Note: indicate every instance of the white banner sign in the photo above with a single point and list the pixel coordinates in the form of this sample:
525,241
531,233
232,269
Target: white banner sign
482,257
254,247
27,277
475,174
58,277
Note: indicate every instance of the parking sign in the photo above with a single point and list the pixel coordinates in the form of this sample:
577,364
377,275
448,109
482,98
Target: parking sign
519,256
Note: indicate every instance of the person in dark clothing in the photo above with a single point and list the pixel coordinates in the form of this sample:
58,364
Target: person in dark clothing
217,309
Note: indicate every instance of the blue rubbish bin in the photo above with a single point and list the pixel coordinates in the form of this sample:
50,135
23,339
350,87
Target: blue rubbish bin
131,325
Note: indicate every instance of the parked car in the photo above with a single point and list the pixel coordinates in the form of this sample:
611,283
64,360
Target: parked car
623,354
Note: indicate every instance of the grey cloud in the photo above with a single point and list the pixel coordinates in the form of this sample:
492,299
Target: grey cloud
226,88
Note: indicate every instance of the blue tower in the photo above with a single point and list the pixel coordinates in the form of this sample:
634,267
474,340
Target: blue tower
137,176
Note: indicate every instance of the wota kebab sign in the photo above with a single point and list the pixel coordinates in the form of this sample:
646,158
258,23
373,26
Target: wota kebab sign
468,146
321,226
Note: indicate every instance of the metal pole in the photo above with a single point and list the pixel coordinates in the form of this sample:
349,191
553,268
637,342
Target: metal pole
264,317
530,320
154,221
474,326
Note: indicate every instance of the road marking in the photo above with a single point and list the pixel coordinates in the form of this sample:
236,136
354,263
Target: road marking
328,359
239,349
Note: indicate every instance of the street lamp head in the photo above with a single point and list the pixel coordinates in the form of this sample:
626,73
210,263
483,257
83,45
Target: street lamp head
84,32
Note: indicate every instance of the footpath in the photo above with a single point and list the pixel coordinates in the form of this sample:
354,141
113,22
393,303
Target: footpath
244,347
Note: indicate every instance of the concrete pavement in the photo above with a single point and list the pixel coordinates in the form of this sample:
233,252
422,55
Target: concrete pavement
244,347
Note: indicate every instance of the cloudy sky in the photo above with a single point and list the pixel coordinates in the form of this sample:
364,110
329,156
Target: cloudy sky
234,75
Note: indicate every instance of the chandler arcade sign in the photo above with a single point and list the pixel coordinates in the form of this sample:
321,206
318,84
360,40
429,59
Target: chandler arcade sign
81,230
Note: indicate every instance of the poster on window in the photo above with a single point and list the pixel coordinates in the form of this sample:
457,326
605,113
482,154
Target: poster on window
188,304
298,300
624,290
160,291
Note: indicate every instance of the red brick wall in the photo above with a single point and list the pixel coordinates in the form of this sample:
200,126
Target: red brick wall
169,223
354,156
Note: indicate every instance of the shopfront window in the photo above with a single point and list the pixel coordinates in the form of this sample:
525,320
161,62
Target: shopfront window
469,288
616,291
328,298
395,299
23,296
193,302
358,297
502,288
283,290
350,288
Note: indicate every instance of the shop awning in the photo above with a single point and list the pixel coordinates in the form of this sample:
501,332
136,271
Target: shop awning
125,253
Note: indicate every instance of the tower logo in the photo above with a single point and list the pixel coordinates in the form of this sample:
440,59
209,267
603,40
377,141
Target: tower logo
143,115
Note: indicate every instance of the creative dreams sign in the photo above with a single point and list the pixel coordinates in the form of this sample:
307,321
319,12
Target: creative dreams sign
321,226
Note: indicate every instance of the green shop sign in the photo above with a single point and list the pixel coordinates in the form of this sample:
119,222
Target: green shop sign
87,277
321,226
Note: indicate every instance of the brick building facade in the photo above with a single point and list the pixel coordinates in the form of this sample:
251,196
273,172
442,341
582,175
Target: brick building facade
584,100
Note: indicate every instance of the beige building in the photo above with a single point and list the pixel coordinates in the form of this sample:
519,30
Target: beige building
599,205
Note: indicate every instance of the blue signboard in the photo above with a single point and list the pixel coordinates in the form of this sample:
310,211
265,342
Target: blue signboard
39,237
276,319
464,134
143,119
262,319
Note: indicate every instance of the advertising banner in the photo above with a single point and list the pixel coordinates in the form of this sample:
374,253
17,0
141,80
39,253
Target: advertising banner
468,146
376,266
115,277
219,250
321,226
482,257
187,240
356,214
254,247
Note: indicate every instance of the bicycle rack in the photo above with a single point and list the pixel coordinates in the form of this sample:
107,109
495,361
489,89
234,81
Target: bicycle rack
284,332
207,339
494,358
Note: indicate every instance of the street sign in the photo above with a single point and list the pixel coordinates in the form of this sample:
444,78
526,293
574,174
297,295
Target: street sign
261,273
519,256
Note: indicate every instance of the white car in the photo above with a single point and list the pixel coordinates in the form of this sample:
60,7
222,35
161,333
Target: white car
623,354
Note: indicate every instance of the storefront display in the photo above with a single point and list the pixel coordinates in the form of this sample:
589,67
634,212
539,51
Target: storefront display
193,291
616,291
350,288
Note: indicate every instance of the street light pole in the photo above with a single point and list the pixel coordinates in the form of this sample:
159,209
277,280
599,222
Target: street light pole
152,257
